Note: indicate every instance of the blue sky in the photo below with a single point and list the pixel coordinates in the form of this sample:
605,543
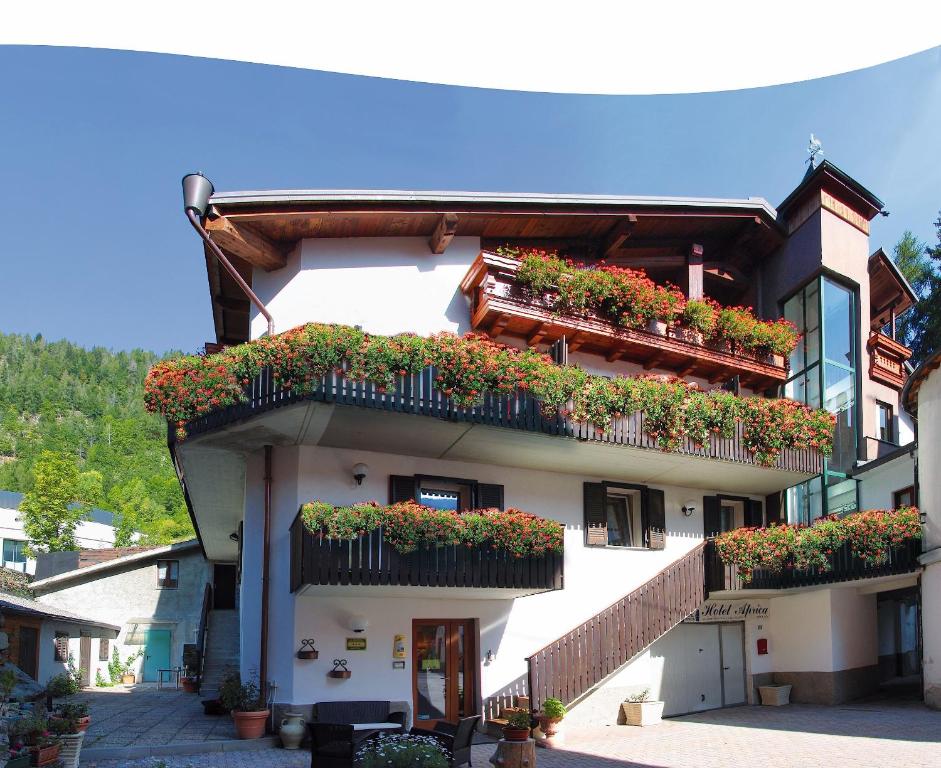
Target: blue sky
94,247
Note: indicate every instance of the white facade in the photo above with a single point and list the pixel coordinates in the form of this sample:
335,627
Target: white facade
95,533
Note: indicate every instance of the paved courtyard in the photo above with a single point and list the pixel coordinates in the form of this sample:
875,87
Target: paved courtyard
865,735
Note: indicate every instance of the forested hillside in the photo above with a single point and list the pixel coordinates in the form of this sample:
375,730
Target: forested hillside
89,403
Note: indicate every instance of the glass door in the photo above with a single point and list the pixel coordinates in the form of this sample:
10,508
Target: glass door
443,658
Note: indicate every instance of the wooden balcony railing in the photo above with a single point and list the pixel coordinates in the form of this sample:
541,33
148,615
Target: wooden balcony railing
569,667
500,305
415,394
887,359
370,560
844,567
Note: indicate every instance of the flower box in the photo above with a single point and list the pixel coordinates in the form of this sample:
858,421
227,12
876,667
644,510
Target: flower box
774,695
642,712
48,755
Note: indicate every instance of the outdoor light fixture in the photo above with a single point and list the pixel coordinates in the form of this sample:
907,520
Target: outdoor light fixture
197,190
689,507
359,623
234,536
359,472
488,659
922,517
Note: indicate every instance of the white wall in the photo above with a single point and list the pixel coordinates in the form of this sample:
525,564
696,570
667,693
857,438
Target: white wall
877,486
594,577
929,489
88,534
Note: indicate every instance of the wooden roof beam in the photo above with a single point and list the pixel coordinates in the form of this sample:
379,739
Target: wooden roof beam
617,235
444,233
538,335
247,243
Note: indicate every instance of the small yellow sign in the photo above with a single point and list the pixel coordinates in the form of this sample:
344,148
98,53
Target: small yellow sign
356,643
398,647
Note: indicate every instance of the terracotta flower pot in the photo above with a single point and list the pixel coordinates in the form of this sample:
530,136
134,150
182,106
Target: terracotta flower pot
189,684
129,679
548,725
516,734
250,725
44,755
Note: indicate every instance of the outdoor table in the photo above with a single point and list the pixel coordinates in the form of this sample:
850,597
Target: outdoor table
173,676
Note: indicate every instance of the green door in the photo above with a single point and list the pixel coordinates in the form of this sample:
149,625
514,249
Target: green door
156,653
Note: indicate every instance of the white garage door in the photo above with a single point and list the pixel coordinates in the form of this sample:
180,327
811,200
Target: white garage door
703,667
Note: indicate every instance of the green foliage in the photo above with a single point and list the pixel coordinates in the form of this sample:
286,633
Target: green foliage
553,708
66,683
101,681
519,719
639,697
920,327
117,668
49,516
16,583
87,404
241,697
402,751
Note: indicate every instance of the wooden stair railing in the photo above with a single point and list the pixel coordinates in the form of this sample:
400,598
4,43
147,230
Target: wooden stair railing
571,666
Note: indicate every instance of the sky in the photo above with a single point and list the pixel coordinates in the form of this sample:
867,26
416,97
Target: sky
94,246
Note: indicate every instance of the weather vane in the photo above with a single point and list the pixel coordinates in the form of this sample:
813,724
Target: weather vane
815,148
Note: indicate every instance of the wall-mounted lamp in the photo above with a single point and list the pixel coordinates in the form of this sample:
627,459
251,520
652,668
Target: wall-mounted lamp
359,623
689,507
359,473
923,517
234,536
488,659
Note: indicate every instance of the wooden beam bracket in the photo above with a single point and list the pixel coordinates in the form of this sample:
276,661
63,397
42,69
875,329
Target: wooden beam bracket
444,233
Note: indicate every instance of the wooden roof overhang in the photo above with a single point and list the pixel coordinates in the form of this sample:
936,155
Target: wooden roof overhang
259,230
889,291
499,306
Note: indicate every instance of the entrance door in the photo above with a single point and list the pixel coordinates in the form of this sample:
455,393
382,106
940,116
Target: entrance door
223,586
733,664
28,652
156,653
84,658
444,655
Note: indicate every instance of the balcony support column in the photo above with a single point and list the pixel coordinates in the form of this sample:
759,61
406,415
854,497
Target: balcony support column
694,272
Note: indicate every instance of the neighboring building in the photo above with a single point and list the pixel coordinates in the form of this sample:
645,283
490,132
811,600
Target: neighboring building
153,595
40,636
94,533
923,401
426,262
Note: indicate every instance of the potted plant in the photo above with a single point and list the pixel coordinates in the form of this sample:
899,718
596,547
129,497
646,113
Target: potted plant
775,695
638,709
33,731
77,712
553,710
62,685
190,683
517,726
247,704
123,671
70,736
18,755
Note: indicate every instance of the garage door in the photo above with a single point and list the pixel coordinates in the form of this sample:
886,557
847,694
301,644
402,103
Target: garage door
703,667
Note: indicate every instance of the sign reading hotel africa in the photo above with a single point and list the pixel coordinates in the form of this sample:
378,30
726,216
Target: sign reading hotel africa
730,610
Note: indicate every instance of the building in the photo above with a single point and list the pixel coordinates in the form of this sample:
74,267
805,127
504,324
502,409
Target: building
39,635
156,601
454,631
94,533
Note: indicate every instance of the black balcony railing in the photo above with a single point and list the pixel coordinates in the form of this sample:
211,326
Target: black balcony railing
844,566
416,394
370,560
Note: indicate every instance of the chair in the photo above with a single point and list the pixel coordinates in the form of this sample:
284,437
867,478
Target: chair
457,739
331,745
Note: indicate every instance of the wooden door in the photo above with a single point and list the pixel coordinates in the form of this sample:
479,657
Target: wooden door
223,586
27,657
84,658
444,659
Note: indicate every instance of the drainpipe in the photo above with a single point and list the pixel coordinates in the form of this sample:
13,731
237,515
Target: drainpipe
263,661
196,192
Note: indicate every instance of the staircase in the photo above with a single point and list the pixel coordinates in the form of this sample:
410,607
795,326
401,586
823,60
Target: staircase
576,663
221,652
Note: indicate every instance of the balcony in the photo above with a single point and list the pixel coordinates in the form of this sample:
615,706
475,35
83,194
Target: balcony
843,567
500,306
362,566
887,358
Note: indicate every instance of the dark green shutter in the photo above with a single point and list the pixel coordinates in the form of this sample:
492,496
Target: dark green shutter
711,516
489,496
773,504
402,488
596,517
753,514
656,518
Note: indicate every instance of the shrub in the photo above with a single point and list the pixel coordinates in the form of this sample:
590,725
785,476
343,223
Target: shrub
553,708
117,668
402,751
63,684
237,696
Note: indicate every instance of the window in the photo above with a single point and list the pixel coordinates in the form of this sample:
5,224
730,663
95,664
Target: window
904,498
451,493
885,422
824,376
443,495
13,555
104,651
61,647
168,574
624,515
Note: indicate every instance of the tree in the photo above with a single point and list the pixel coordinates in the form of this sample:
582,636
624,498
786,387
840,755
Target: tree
920,327
49,514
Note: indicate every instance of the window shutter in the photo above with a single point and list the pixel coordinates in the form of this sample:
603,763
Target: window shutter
402,488
596,517
753,514
489,496
711,516
773,504
656,518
